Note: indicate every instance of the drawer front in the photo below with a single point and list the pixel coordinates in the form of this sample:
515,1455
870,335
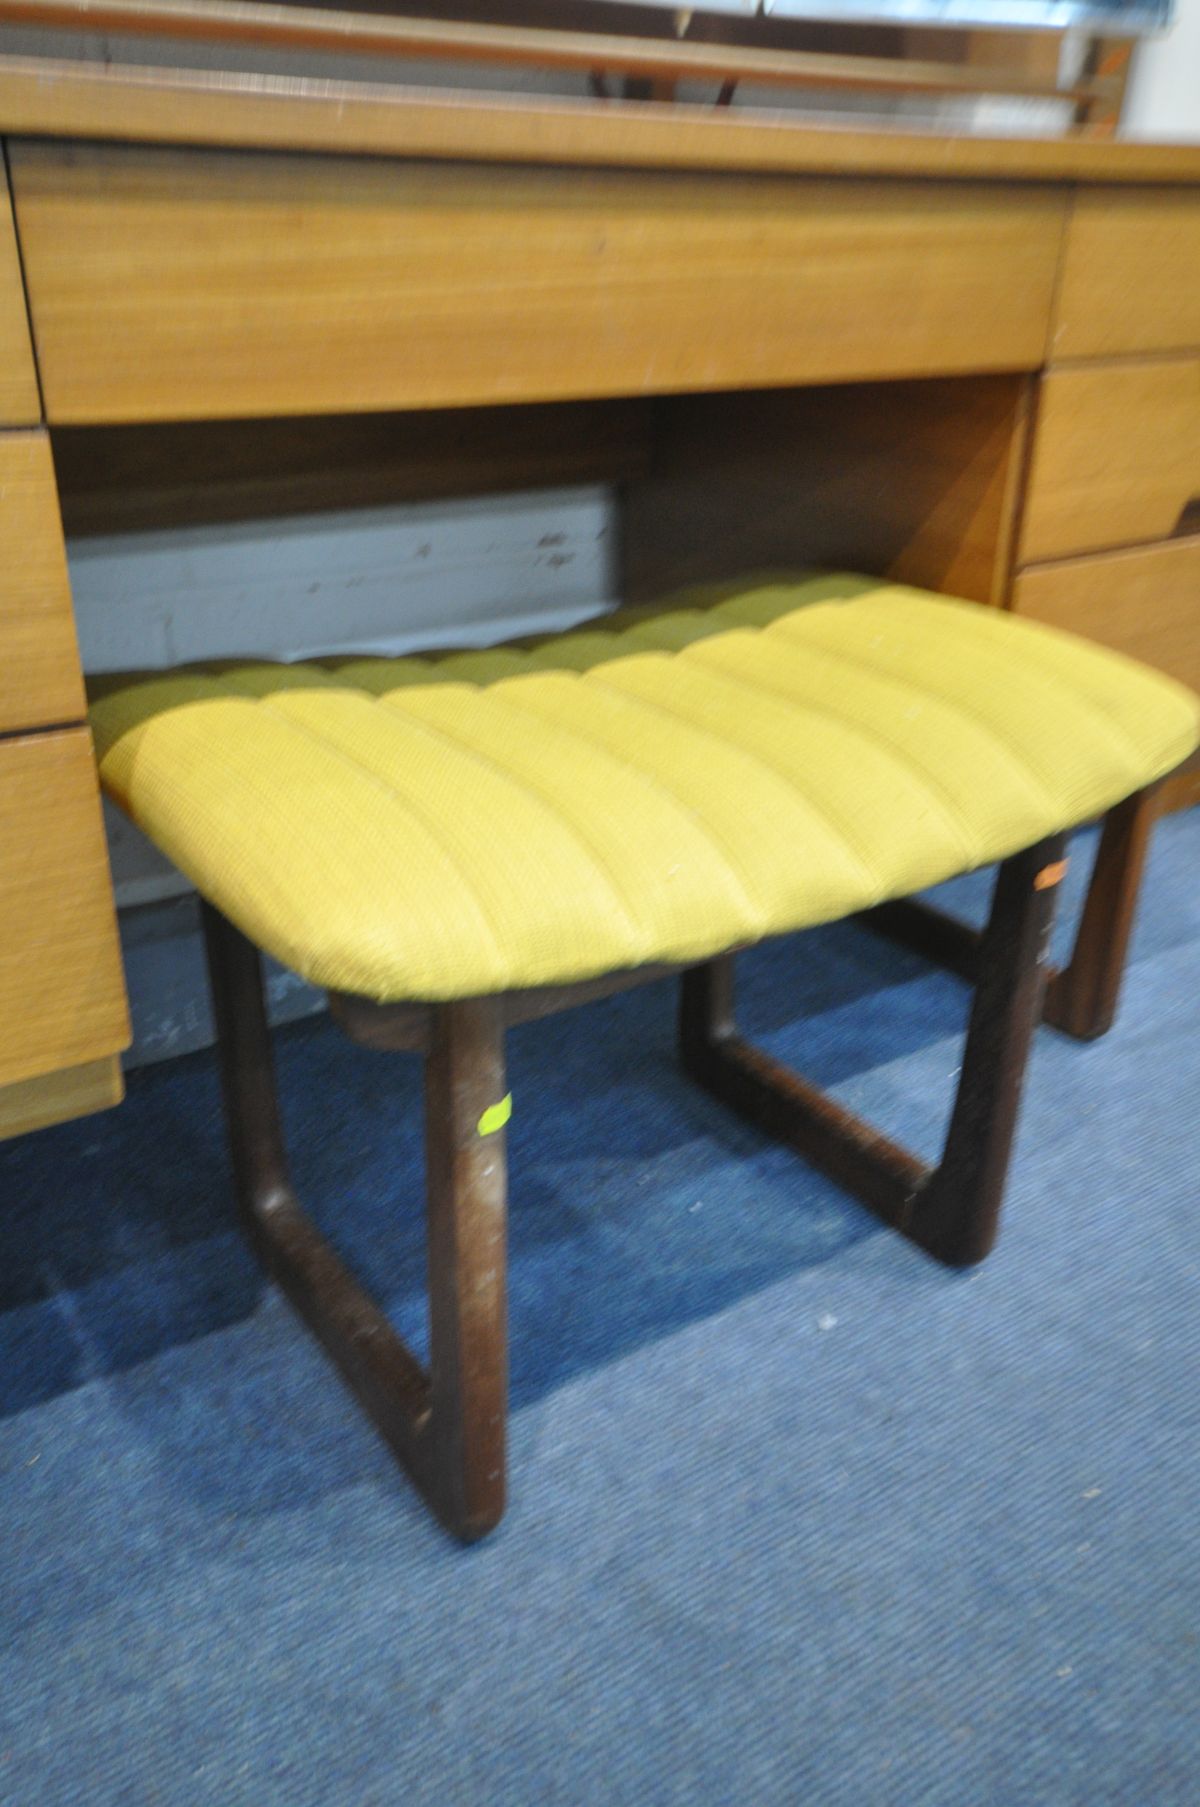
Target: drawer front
195,284
1116,457
1131,274
1144,603
40,681
20,404
62,996
57,1097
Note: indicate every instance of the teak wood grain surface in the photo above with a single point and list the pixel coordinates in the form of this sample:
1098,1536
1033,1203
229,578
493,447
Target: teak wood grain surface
20,403
62,999
188,285
1116,457
523,46
56,1097
1131,274
915,481
40,681
1144,602
47,97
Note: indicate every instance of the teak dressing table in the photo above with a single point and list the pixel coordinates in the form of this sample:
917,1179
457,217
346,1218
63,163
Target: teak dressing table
972,364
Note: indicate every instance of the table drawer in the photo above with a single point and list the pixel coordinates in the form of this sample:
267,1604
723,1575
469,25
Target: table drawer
20,404
1131,274
1145,603
40,681
30,1104
62,996
1116,457
197,284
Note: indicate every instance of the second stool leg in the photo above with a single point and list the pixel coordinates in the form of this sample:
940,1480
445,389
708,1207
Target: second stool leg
1082,998
950,1210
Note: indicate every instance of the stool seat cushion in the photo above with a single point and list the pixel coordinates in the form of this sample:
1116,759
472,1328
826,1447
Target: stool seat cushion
657,786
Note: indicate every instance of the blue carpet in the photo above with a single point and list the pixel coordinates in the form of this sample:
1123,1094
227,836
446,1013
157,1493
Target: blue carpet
796,1514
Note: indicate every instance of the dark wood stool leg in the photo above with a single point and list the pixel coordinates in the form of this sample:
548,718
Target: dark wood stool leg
952,1210
957,1213
1081,999
446,1428
467,1191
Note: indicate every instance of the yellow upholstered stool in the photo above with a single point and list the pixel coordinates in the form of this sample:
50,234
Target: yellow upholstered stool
450,843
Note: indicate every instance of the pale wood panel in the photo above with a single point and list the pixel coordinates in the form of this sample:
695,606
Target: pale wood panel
1145,603
197,285
1116,456
62,997
20,404
915,481
40,681
1131,274
41,96
57,1097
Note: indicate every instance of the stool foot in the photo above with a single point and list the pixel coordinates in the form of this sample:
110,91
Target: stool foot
951,1210
445,1426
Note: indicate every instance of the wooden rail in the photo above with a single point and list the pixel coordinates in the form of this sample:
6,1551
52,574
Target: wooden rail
65,98
311,29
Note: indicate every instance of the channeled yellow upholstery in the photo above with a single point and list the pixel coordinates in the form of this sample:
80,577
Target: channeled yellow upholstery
659,786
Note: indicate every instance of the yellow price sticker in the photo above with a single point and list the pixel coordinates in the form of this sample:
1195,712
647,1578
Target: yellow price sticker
496,1116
